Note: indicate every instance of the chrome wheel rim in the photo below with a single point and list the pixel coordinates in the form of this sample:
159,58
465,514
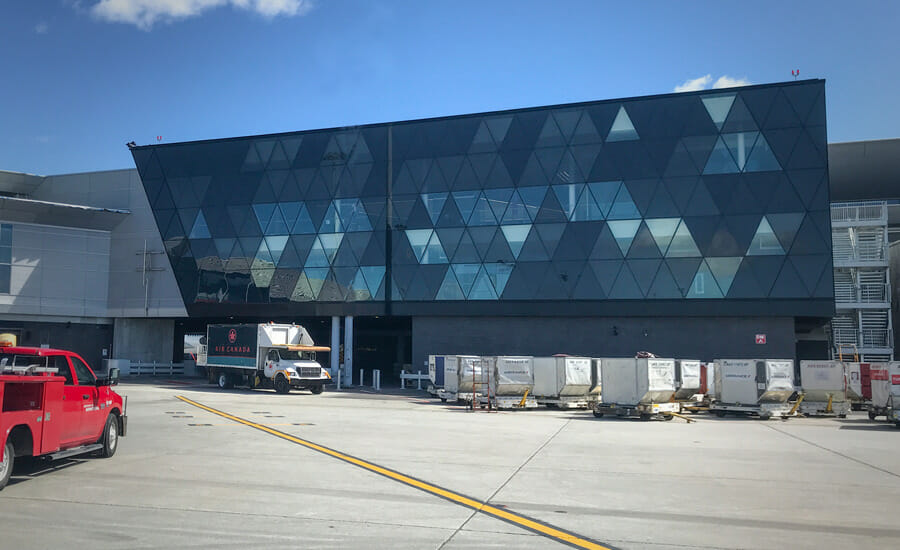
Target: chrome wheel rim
113,436
4,464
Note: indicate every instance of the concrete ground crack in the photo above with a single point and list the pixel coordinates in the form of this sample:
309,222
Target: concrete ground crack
506,482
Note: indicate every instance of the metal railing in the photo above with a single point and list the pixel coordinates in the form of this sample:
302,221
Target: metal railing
865,338
862,252
866,293
859,211
156,369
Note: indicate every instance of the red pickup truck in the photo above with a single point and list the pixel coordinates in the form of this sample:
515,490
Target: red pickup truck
53,405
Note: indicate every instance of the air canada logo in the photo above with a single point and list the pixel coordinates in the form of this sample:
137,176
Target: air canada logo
232,336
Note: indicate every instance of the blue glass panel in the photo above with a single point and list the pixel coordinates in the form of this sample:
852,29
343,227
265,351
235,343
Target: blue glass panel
740,144
434,252
622,129
482,214
604,193
264,214
465,201
533,197
434,204
499,275
200,229
624,231
465,274
720,160
764,242
704,284
450,289
718,106
515,236
623,208
568,196
418,241
482,288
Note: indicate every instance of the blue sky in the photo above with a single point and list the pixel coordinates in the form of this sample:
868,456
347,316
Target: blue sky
82,77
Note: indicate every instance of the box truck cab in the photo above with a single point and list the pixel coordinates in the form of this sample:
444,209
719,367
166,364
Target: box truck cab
269,355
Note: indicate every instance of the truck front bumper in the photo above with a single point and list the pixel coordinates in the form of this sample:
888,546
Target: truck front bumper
306,382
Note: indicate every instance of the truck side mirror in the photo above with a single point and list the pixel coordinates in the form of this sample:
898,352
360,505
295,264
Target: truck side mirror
113,376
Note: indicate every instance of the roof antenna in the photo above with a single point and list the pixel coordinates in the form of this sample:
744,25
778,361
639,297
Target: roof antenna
795,73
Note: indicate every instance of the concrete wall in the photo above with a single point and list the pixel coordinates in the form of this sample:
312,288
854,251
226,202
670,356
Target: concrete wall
86,339
58,271
122,189
144,340
703,338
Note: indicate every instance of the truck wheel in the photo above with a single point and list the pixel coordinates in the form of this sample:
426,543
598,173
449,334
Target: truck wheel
872,415
645,417
316,389
281,384
110,438
7,465
225,381
598,414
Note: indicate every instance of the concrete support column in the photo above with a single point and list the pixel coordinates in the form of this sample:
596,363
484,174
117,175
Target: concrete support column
348,349
335,345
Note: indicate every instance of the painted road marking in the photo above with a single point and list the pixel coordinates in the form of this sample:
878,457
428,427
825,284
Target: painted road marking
534,525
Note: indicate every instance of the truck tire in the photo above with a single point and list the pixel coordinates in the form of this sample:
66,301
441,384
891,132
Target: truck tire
316,389
598,414
110,437
872,415
282,385
645,417
6,466
225,381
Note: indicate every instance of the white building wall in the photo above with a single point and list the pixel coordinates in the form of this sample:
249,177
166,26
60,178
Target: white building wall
56,271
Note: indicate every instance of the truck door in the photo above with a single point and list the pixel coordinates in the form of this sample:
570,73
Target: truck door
73,409
94,418
272,363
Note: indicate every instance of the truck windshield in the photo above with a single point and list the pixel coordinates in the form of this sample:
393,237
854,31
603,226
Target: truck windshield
13,360
290,355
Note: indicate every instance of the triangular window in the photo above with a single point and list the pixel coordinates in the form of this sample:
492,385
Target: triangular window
704,284
720,160
718,107
450,289
624,231
683,245
740,145
200,229
623,208
483,289
663,229
515,237
764,242
418,241
761,159
622,129
434,252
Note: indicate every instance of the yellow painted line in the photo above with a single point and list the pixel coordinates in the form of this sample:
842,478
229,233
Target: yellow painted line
534,525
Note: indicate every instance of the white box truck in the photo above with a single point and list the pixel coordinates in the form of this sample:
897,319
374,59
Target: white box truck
270,355
562,381
754,386
637,387
824,386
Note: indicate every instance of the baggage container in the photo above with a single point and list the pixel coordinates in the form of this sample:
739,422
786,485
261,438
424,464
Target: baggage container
754,386
596,387
562,381
824,388
436,370
688,378
512,381
880,384
461,374
642,387
894,373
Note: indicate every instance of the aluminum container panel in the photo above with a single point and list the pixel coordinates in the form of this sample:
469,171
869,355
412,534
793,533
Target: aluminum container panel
822,380
659,375
512,375
618,378
894,373
779,382
854,382
573,376
451,373
595,376
436,370
688,378
881,384
736,381
545,377
471,374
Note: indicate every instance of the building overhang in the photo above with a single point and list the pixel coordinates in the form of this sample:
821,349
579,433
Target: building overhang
17,183
64,215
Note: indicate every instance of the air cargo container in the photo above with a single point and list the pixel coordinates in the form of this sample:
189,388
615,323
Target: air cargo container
894,412
880,382
754,386
464,378
562,381
824,388
512,382
637,387
436,373
688,379
596,387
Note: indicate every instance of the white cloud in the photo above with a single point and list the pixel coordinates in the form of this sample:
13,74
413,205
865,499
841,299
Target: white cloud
145,13
41,28
703,82
728,82
696,84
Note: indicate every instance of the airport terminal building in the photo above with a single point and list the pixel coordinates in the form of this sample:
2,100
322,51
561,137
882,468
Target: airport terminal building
689,225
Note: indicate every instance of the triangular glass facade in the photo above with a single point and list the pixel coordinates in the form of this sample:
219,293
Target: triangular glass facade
703,196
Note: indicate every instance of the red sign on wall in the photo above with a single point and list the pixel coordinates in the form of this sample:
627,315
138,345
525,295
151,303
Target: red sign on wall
760,338
895,379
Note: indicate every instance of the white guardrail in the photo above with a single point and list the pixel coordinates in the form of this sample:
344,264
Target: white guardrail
418,377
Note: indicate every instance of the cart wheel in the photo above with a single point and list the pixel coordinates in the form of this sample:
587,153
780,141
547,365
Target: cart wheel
842,415
443,399
598,414
720,414
645,417
668,417
768,416
872,415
